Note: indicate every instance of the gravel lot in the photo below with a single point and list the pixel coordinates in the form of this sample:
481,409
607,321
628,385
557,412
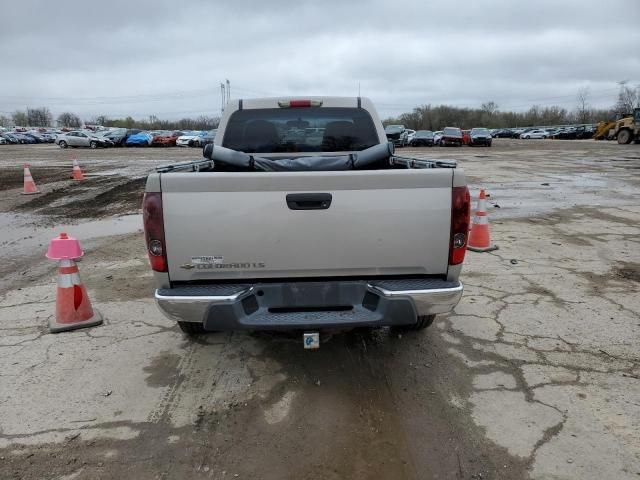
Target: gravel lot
536,374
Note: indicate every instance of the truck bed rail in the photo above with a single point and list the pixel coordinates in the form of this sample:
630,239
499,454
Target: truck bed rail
411,162
393,160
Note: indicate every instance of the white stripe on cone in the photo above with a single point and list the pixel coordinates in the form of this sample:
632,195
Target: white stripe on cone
68,280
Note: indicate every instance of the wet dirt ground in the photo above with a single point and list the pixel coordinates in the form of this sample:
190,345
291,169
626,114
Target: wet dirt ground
535,375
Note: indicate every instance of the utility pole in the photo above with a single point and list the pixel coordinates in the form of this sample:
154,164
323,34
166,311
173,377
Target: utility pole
222,97
228,90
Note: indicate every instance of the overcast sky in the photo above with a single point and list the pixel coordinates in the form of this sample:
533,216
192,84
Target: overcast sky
165,58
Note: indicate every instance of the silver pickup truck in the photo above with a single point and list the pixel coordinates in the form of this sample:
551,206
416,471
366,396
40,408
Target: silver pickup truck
301,217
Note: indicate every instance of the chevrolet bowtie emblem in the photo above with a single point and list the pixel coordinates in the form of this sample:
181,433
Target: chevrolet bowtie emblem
187,266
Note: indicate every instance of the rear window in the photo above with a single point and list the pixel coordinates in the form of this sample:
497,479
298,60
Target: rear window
424,133
283,130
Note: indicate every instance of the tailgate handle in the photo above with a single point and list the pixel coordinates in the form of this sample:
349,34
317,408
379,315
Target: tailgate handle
309,201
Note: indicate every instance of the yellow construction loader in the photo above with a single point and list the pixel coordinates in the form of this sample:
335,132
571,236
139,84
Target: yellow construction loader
603,130
627,129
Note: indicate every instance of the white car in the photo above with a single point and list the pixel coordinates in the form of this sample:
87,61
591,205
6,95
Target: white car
437,136
191,139
410,135
535,134
80,138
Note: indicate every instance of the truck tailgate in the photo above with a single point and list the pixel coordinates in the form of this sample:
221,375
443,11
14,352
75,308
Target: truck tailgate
239,225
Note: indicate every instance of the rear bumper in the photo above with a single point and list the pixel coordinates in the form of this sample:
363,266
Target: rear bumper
307,305
421,142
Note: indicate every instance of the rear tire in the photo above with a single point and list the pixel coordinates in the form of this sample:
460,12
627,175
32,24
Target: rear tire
63,144
93,145
624,137
191,328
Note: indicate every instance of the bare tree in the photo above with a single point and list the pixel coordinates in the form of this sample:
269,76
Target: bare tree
628,98
100,120
39,117
489,107
583,111
19,118
69,120
5,121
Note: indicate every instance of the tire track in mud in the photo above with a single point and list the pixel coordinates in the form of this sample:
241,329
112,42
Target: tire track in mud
92,198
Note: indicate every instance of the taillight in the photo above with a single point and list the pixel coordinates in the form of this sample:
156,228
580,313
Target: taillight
460,217
154,231
299,103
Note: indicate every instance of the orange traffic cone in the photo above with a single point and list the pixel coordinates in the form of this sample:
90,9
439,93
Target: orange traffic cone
77,173
479,238
73,307
29,185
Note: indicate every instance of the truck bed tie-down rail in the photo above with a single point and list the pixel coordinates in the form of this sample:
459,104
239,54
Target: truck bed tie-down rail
353,161
411,162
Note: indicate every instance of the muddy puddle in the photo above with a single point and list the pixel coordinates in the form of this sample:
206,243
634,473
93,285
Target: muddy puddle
20,235
529,199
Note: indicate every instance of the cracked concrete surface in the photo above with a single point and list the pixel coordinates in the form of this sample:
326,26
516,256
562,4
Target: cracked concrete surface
535,375
565,323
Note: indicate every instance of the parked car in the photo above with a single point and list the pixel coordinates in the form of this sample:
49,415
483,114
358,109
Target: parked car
410,135
10,138
466,137
584,132
480,136
190,139
558,133
437,137
22,138
119,135
166,139
49,137
77,138
3,141
199,140
142,139
569,133
423,138
451,136
534,134
504,133
397,134
310,133
37,137
329,265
